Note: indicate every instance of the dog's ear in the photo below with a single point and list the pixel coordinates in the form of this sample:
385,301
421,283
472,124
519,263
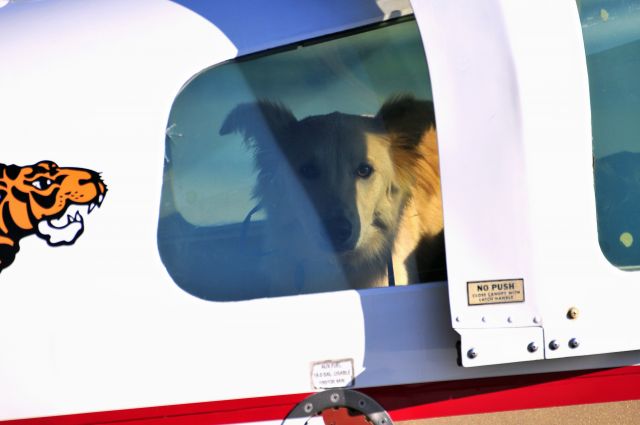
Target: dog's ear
406,119
258,121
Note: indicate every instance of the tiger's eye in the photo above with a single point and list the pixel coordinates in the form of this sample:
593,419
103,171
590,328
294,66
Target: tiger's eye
364,170
41,183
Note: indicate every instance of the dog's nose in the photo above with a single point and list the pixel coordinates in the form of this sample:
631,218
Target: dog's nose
340,230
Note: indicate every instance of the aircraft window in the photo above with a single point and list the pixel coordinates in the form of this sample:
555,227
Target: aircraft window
308,169
611,31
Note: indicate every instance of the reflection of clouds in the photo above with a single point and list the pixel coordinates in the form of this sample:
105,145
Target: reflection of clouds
213,175
605,29
217,189
614,85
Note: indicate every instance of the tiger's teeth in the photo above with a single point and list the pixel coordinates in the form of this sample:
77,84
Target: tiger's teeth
91,207
78,216
100,199
70,218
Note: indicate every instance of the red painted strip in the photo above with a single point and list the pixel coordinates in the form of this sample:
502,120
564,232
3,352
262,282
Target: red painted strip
403,402
510,393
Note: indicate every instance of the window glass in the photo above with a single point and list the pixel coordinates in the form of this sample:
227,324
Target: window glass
307,169
611,30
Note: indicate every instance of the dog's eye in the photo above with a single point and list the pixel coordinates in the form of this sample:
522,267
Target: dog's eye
364,171
41,183
310,171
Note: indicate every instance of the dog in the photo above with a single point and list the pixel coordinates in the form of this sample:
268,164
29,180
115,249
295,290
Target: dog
351,201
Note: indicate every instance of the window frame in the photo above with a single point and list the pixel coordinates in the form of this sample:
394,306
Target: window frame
173,130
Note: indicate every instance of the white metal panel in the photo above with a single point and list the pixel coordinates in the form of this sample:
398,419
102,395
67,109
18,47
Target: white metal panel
512,104
481,347
483,163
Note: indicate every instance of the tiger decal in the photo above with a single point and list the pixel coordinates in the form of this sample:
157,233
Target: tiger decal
45,200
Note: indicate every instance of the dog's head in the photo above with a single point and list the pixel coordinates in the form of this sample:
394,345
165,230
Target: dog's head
340,180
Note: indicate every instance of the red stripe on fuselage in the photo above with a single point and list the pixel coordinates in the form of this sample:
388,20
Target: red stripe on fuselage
403,402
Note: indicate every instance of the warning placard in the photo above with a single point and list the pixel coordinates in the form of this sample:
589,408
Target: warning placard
495,292
332,374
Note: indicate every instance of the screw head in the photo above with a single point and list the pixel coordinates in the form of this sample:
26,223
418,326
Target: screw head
553,345
472,354
532,347
573,313
573,343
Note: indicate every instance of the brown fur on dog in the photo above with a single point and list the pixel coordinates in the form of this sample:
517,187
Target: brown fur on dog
344,194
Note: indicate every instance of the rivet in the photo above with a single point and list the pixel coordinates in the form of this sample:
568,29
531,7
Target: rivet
573,313
509,319
554,345
308,407
536,319
484,319
532,347
472,353
457,319
573,343
335,397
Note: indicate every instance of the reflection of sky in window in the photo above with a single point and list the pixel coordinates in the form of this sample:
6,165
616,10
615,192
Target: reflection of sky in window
611,31
213,176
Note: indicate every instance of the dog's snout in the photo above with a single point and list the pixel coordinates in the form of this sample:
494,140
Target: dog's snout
340,230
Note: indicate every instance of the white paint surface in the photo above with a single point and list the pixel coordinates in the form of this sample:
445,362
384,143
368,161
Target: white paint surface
99,325
511,95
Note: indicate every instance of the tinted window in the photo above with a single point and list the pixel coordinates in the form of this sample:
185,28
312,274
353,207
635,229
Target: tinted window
611,32
309,169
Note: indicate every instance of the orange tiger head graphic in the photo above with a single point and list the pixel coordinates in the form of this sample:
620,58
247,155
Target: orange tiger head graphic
45,200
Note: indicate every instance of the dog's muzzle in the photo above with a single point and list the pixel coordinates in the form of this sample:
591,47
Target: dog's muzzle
340,230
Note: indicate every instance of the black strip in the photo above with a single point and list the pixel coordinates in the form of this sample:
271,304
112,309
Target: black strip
390,275
315,40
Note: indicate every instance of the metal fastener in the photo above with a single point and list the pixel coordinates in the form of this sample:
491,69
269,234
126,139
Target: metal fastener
472,353
335,397
536,319
573,343
532,347
308,407
573,313
554,345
